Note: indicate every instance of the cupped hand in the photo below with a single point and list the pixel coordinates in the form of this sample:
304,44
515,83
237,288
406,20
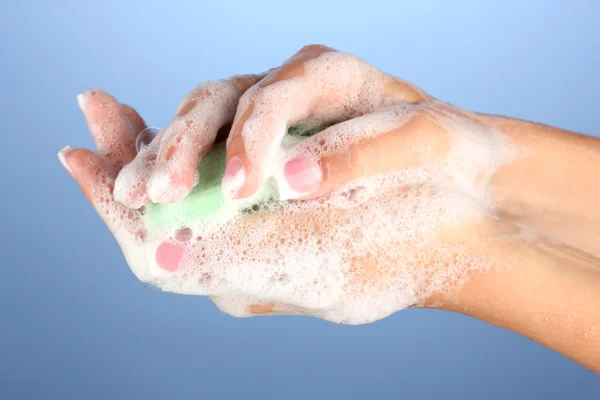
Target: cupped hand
394,206
317,84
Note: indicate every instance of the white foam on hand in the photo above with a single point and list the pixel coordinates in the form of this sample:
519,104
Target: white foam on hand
366,250
373,246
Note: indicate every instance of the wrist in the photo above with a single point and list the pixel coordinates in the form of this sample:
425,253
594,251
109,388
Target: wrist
552,184
547,292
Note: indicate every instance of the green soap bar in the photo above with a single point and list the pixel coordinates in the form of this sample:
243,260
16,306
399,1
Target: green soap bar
206,200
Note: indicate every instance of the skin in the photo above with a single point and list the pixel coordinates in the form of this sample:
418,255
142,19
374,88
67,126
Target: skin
546,287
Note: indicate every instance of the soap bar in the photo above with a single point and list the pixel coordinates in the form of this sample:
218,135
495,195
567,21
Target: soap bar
206,200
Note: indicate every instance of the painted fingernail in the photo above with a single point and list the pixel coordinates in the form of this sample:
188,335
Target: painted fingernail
302,175
168,256
62,156
234,178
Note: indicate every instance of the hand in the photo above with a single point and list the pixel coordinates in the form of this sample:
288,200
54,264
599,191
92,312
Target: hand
317,84
420,204
400,236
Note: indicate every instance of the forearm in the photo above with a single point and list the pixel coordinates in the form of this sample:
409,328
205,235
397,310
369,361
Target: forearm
551,294
553,184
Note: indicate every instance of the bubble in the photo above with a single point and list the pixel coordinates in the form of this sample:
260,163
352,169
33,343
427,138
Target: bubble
183,234
145,137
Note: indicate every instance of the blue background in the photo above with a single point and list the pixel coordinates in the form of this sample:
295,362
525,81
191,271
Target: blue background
74,321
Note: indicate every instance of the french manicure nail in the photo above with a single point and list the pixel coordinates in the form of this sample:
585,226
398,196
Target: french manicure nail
302,175
62,156
82,102
234,178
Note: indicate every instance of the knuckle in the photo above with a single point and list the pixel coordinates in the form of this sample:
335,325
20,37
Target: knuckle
358,159
315,48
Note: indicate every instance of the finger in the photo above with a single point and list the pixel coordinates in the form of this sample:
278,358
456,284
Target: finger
376,143
318,83
191,134
131,183
260,308
243,306
95,176
111,130
134,118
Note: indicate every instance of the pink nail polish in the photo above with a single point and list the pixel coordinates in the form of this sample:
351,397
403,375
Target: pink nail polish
302,175
168,256
234,178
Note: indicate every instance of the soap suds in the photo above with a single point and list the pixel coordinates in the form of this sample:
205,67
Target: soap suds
371,247
358,254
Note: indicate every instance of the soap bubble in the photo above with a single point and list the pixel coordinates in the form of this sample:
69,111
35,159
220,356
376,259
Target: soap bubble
145,137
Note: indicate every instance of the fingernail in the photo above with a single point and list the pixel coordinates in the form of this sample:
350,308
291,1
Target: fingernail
234,178
302,175
62,156
82,101
168,256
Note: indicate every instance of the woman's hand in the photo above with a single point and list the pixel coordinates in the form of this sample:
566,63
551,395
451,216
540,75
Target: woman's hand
409,201
405,220
317,84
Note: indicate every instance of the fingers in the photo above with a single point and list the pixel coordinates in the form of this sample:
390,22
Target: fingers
318,83
191,134
260,308
130,185
109,125
399,138
95,176
243,306
134,118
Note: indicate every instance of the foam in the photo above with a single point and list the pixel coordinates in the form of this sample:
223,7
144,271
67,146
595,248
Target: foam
372,247
191,133
353,88
303,255
206,200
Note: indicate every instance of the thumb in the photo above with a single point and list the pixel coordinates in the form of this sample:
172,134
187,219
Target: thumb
369,145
